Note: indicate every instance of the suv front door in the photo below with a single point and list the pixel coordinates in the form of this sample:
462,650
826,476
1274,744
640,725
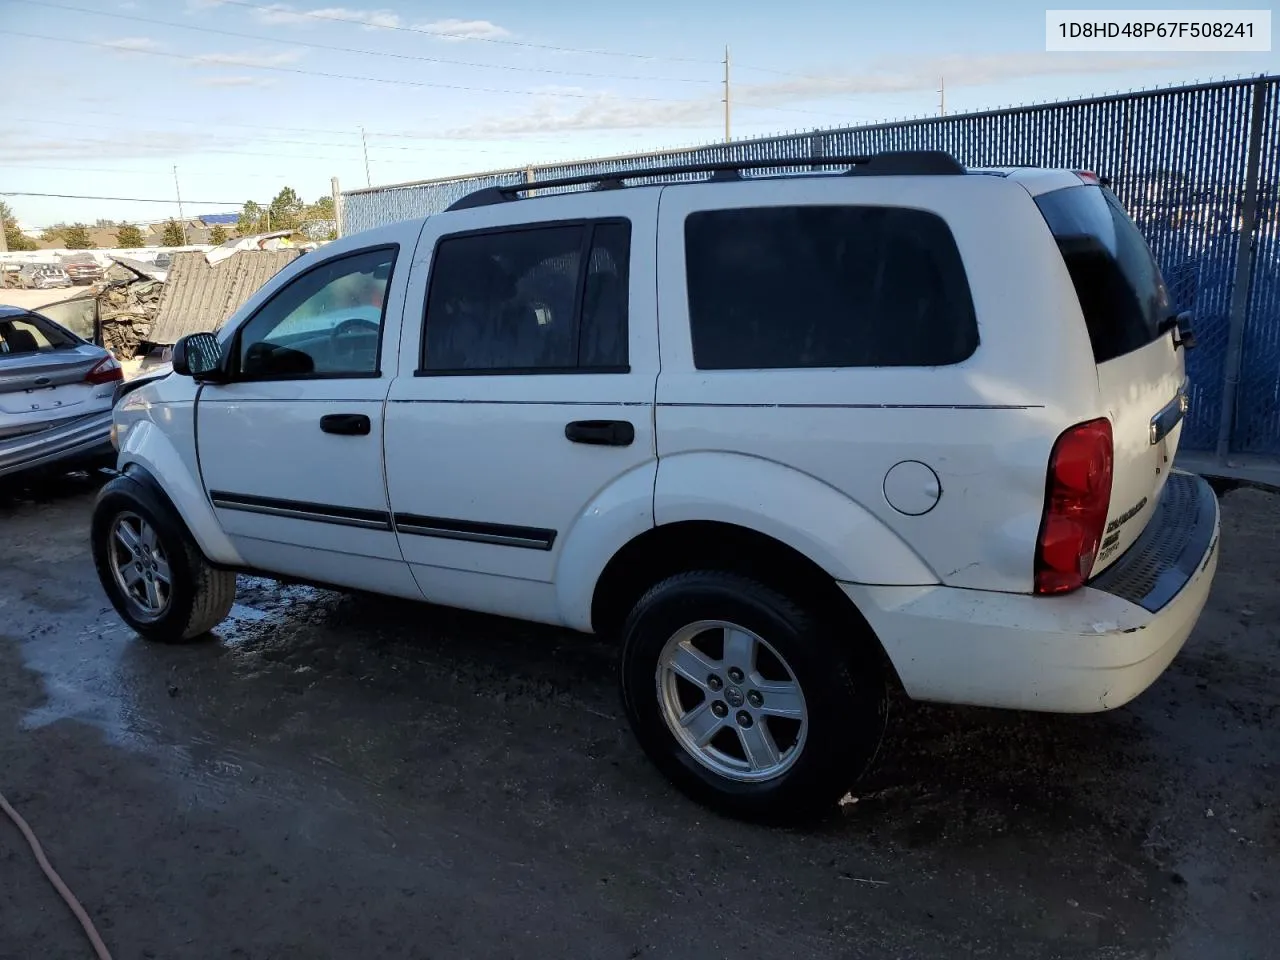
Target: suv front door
531,403
291,448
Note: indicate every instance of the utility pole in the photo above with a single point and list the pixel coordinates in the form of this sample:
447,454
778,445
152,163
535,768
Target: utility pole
368,181
178,191
337,205
726,93
942,96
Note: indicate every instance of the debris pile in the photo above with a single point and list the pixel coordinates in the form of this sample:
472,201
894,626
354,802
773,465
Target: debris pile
127,307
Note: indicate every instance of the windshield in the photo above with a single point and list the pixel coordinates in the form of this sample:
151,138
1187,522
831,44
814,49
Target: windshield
1121,292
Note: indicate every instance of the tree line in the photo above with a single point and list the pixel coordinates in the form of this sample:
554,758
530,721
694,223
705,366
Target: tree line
287,211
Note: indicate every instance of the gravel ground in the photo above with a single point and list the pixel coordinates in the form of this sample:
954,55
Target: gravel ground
348,777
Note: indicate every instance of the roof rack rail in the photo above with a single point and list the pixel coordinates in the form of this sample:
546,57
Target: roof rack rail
916,163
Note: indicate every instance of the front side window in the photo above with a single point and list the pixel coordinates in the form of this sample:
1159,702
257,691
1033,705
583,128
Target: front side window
826,286
543,299
327,322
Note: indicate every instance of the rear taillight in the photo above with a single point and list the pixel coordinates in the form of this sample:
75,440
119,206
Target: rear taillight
107,370
1077,497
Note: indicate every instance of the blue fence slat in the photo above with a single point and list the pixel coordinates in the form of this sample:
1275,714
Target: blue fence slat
1176,159
1257,422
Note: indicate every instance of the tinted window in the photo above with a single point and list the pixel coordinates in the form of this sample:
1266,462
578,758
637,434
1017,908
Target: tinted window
1121,292
31,334
604,304
776,287
327,322
519,300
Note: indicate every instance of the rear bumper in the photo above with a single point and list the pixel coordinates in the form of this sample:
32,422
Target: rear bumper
84,438
1089,651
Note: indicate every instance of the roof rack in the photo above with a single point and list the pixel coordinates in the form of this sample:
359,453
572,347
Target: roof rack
898,163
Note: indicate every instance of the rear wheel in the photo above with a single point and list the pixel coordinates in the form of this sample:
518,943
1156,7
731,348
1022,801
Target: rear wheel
746,700
152,570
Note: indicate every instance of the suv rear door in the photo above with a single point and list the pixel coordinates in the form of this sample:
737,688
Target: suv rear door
1141,372
528,372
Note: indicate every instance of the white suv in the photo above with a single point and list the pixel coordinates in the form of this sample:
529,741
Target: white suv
789,438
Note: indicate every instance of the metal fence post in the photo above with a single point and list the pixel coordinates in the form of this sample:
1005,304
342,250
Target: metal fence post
1244,272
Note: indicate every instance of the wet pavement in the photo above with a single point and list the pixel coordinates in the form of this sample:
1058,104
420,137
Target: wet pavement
354,777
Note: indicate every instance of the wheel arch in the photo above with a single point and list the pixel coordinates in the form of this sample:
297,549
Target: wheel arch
688,545
149,457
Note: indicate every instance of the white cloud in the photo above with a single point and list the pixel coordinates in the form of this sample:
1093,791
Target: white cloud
235,80
131,44
284,13
281,59
452,29
958,71
605,112
33,149
609,112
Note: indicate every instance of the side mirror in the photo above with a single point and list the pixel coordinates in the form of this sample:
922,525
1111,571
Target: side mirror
1183,335
197,355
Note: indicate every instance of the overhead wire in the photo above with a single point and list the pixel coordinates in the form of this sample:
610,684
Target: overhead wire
504,41
45,4
81,196
246,64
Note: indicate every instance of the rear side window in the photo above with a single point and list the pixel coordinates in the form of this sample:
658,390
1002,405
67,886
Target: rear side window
32,334
826,286
1121,293
548,299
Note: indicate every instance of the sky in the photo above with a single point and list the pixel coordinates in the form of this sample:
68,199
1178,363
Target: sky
243,97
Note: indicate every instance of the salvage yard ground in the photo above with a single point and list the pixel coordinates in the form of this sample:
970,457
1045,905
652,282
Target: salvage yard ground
361,778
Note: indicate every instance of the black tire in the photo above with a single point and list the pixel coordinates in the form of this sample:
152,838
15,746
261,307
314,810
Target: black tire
840,675
200,596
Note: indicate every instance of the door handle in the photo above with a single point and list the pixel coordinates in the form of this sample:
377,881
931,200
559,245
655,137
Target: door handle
602,433
347,424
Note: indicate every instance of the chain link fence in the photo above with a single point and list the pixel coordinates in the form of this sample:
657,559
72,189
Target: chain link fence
1196,166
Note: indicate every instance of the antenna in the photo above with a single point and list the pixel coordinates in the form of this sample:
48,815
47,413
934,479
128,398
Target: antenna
181,217
368,181
726,93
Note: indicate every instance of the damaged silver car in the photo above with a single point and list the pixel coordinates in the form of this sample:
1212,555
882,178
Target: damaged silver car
56,393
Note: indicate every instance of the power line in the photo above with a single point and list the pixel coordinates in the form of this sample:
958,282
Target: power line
204,61
107,126
80,196
45,4
146,173
324,15
182,150
206,124
77,124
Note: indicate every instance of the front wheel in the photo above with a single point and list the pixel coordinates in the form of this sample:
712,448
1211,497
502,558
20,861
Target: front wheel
151,569
747,701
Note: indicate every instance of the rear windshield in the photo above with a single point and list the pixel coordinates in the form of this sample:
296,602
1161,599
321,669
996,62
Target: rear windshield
1121,292
32,334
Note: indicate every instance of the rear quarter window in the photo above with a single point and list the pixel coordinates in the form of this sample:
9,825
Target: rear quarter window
1121,292
826,286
